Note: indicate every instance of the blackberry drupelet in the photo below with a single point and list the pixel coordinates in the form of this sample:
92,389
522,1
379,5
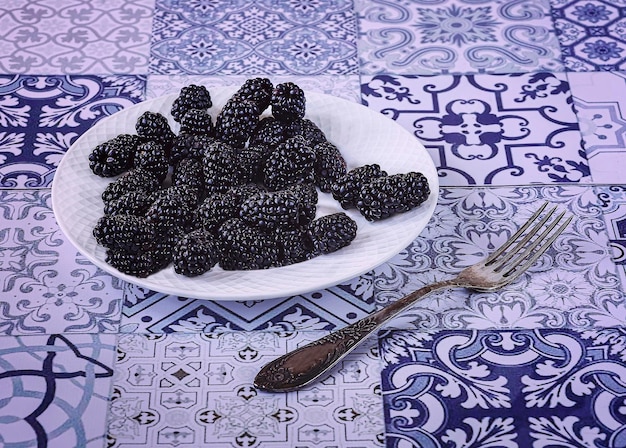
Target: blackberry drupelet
152,157
191,97
243,247
330,166
134,202
189,172
330,233
196,122
290,163
195,254
220,168
137,179
258,91
236,122
216,209
114,156
288,102
346,189
152,126
125,232
387,196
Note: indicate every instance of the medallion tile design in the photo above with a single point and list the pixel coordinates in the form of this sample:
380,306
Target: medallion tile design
511,389
266,36
196,390
54,390
447,36
574,284
613,202
488,129
71,36
47,287
41,116
592,34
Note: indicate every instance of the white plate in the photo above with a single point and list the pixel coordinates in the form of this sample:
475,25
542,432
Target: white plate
363,136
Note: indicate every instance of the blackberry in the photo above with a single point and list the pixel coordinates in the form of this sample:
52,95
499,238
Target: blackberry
196,122
195,254
330,166
251,160
330,233
161,249
258,91
290,163
236,122
294,245
215,210
152,157
307,202
189,172
220,168
135,202
387,196
243,247
346,189
288,102
187,193
189,145
124,232
137,264
169,212
269,133
191,97
152,126
137,179
269,211
114,156
311,133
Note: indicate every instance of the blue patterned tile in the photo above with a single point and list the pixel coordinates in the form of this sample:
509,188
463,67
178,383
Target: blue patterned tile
456,36
243,37
511,389
47,287
71,36
592,34
41,116
488,129
612,201
54,390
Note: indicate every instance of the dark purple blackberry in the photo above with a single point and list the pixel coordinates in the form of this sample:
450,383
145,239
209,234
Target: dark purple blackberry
244,248
125,232
236,122
258,91
271,210
330,166
307,202
114,156
137,264
196,122
290,163
188,145
332,232
294,245
162,247
251,160
387,196
220,168
216,209
309,131
152,126
189,172
195,254
189,194
269,133
152,157
190,97
242,192
346,189
288,102
134,202
137,179
169,212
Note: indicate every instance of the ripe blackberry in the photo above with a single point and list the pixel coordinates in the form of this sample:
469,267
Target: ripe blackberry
269,133
271,210
137,264
288,102
169,212
152,157
137,179
294,245
258,91
189,145
346,189
195,254
135,202
387,196
216,209
307,202
251,160
220,168
244,248
330,166
190,97
290,163
114,156
152,126
330,233
240,193
125,232
188,194
196,122
236,122
189,172
311,133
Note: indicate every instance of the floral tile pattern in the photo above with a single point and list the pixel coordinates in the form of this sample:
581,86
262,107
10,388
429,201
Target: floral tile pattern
197,390
54,389
41,116
516,388
449,36
65,37
613,204
47,287
488,129
266,36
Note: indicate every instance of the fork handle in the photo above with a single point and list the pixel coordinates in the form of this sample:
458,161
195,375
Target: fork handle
307,363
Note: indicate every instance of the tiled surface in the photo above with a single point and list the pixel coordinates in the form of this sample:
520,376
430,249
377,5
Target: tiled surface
516,101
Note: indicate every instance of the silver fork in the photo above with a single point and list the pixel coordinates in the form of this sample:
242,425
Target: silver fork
307,363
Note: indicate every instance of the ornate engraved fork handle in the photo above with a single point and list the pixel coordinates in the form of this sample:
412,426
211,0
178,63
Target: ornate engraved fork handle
307,363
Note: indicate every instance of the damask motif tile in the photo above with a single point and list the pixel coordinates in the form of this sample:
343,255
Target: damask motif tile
71,36
600,101
456,36
514,389
612,201
488,129
197,390
592,34
47,287
244,37
54,390
41,116
574,284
